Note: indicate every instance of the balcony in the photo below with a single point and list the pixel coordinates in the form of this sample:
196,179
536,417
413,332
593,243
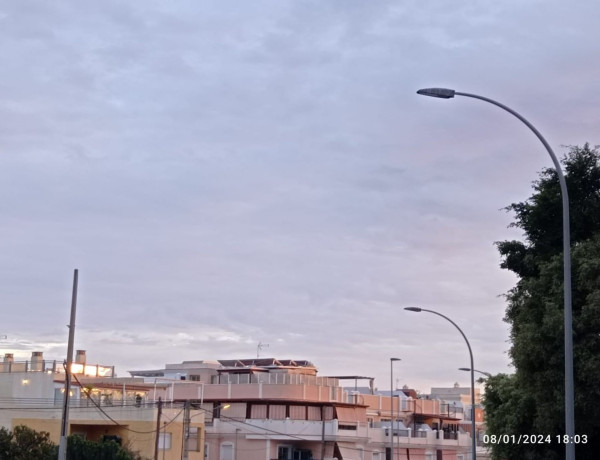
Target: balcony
56,367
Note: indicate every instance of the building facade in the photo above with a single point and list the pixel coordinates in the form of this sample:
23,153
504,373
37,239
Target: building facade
269,409
141,415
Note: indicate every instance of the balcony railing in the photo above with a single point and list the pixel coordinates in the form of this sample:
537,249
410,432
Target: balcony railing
274,378
56,367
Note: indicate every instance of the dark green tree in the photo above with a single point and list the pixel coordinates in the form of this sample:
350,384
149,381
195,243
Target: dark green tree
508,408
535,314
82,449
23,443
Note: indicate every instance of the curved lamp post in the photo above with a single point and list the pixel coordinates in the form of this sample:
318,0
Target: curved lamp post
474,441
466,369
392,360
445,93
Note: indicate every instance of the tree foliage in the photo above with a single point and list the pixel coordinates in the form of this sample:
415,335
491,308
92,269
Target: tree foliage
23,443
82,449
535,313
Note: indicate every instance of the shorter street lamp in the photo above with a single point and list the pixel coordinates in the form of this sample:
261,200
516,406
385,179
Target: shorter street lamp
487,374
392,360
418,310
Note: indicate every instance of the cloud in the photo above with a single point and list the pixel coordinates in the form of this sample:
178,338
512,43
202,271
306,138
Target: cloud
224,176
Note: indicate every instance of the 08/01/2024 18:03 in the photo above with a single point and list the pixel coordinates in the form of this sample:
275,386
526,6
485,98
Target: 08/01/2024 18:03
534,439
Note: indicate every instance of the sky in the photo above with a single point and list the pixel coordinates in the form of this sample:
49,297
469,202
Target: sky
229,173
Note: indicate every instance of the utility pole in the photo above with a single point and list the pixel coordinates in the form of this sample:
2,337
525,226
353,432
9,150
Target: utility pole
64,428
322,432
186,429
159,413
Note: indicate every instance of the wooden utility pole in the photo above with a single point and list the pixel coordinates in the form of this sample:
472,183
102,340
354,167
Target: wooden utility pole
186,430
64,427
157,428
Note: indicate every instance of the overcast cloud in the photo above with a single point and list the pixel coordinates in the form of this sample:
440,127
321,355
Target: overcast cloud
225,173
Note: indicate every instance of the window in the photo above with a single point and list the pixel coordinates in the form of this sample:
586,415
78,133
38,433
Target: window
205,451
284,453
277,412
346,427
164,441
226,451
192,441
376,456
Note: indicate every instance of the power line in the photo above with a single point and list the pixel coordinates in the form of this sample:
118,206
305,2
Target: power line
119,424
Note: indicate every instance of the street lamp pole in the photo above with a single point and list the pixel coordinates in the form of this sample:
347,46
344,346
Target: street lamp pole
445,93
474,442
392,406
466,369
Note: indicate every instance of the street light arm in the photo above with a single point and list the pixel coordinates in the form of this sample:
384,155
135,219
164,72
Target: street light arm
523,119
466,369
459,330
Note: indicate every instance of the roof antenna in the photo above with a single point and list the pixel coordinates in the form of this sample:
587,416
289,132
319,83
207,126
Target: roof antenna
260,347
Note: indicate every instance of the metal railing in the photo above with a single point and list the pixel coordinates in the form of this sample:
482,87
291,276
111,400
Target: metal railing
277,378
56,367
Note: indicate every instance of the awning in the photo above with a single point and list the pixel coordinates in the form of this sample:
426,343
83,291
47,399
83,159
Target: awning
350,414
348,452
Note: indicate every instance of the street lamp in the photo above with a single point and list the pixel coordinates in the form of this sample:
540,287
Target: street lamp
445,93
392,360
418,310
487,374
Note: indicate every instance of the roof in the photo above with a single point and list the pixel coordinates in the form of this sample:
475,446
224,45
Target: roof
265,362
124,382
422,416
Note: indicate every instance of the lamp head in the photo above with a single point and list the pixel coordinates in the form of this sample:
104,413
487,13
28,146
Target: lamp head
417,309
442,93
395,359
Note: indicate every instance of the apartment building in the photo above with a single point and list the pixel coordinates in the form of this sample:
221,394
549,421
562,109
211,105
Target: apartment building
270,409
101,404
458,400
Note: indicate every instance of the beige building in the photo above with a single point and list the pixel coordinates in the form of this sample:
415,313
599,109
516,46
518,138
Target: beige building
269,409
128,409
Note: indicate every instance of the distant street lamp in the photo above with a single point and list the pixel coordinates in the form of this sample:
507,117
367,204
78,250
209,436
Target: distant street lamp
445,93
474,443
487,374
392,360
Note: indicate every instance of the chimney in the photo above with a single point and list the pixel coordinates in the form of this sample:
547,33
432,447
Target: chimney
37,360
80,357
8,361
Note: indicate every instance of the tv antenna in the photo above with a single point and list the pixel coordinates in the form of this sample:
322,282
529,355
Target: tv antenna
260,347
